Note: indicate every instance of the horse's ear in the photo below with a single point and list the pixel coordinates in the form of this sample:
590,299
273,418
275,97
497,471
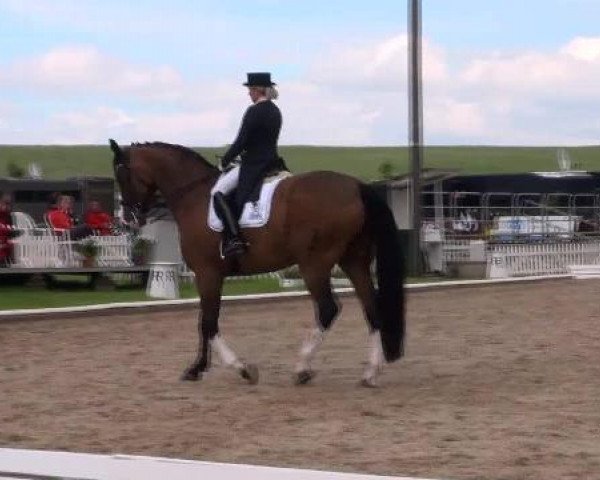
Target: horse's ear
114,146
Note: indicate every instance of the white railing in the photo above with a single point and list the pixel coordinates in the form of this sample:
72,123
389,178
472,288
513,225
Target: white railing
114,250
44,248
521,260
456,250
41,247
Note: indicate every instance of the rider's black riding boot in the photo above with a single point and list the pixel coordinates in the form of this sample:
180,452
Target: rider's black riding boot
233,244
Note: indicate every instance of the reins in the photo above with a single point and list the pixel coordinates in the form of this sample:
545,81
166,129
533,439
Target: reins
177,195
174,197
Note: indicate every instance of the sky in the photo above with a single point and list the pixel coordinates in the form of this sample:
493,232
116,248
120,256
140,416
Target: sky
495,72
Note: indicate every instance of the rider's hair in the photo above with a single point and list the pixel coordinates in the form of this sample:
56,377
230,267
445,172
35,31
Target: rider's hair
271,93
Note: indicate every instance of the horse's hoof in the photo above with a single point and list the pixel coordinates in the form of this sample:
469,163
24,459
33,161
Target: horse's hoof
303,377
191,376
368,383
250,372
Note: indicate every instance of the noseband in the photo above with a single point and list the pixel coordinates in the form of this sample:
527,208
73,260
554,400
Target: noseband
123,176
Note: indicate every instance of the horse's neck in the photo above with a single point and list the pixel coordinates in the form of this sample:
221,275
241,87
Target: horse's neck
184,184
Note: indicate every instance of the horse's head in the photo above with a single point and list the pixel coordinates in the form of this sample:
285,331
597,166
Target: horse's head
133,176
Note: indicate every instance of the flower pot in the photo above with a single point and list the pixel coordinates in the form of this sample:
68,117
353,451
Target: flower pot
88,262
139,259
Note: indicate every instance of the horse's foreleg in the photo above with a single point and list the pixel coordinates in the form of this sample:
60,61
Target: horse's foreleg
230,359
209,287
207,328
326,310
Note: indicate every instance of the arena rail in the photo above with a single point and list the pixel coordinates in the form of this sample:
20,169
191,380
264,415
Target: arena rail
521,260
46,465
193,303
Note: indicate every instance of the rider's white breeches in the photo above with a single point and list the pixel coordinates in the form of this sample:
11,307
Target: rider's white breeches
227,181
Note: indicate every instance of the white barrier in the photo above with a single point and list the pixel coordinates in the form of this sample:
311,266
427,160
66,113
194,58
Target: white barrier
521,260
585,272
71,466
456,251
114,250
32,249
43,247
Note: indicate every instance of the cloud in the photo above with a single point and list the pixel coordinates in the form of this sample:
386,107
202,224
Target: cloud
533,97
354,93
315,116
573,71
584,49
96,125
9,116
379,65
465,119
85,70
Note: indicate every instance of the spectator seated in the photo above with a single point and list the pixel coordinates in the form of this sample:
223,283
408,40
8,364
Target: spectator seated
98,220
61,219
7,231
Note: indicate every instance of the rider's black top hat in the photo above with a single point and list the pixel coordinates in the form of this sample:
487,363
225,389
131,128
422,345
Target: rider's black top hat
259,79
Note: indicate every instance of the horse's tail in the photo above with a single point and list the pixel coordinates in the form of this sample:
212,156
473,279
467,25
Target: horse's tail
379,220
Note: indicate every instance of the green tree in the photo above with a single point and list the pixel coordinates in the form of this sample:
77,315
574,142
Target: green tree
14,170
386,170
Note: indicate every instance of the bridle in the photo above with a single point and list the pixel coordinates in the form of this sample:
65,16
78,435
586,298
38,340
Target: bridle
123,176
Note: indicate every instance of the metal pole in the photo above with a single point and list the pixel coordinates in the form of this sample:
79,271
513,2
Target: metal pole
416,126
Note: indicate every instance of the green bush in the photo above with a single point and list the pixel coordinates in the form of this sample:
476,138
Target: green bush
141,250
386,170
87,248
14,170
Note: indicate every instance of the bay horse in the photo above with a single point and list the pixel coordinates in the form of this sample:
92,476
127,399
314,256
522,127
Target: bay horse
318,220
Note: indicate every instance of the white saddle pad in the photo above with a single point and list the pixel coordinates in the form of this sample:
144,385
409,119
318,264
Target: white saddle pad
255,214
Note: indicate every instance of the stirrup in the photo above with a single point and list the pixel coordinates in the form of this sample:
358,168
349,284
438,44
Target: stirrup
232,247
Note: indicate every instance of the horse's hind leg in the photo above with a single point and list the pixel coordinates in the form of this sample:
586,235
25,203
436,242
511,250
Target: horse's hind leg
318,283
356,264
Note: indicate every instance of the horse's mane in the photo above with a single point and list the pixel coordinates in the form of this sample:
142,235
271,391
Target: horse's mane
177,148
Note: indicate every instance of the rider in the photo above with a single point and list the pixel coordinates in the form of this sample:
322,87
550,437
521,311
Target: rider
256,143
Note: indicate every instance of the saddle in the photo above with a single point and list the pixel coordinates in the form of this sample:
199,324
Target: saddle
255,214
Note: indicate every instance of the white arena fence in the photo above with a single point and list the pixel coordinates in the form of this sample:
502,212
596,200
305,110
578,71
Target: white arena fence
457,250
525,259
46,465
544,259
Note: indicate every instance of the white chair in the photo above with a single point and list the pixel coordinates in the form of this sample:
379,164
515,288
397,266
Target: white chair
24,222
41,247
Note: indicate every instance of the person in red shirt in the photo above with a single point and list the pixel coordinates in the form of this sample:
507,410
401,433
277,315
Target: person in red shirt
97,219
6,230
61,219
